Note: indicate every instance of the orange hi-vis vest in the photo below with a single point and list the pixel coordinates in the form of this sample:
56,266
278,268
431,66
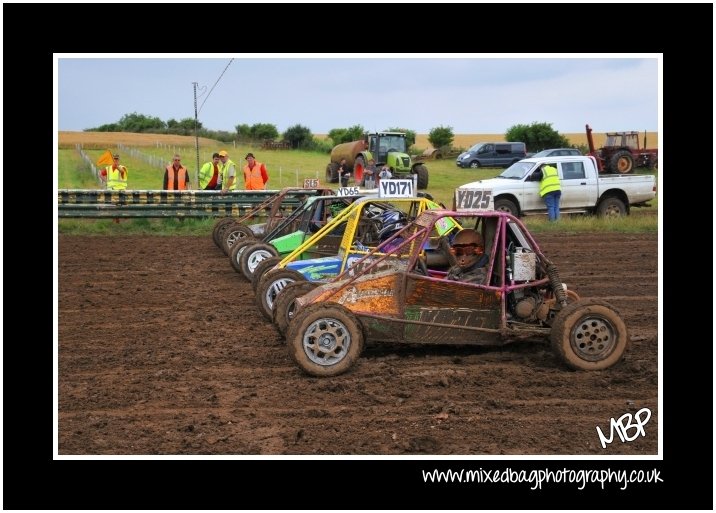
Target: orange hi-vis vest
253,181
182,177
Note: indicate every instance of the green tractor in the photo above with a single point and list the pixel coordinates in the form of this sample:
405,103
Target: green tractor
386,148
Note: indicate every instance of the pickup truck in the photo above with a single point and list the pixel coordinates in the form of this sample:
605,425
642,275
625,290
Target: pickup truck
584,190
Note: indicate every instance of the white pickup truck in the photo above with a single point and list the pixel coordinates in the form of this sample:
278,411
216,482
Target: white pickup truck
516,190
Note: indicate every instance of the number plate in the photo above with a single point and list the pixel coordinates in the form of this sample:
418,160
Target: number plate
347,191
474,200
396,189
310,183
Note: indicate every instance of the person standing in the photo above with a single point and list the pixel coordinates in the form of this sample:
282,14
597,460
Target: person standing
550,190
344,173
176,176
227,171
115,175
369,175
209,174
385,173
255,175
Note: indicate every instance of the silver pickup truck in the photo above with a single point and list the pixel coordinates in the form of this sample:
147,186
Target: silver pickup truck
516,190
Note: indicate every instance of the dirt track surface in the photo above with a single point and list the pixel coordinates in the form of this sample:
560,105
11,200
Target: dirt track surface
162,351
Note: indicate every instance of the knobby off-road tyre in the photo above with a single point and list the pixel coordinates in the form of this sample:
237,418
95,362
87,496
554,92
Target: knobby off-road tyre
284,307
234,233
422,172
253,255
325,339
332,173
237,250
611,207
271,285
589,334
262,269
219,227
622,162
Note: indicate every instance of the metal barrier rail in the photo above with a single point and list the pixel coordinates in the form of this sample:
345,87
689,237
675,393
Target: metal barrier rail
86,203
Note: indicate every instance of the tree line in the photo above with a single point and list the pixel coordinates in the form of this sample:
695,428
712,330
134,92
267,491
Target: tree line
537,136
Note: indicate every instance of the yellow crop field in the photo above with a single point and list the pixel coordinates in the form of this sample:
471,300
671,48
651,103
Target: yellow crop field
576,139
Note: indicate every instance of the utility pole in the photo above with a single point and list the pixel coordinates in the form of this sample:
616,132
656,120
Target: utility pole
196,135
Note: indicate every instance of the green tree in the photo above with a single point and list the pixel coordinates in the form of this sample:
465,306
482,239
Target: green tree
441,136
243,131
537,136
262,131
299,136
344,135
140,123
409,135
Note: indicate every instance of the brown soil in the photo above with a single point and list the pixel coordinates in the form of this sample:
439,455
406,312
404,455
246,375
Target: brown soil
163,351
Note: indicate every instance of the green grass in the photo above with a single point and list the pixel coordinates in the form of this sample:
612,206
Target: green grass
289,168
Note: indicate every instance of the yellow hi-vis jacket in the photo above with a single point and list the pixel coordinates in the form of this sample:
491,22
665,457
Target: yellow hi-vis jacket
550,180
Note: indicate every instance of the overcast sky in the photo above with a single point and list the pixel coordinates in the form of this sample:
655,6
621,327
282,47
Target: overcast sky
470,93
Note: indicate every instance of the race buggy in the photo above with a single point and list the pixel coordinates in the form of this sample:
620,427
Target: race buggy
391,295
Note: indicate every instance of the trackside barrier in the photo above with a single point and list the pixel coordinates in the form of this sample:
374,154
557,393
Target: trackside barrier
85,203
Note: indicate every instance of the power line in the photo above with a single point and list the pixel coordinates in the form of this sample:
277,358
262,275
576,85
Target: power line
217,81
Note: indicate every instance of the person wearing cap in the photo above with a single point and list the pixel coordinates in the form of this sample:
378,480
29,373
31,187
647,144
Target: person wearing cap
209,174
176,176
227,170
115,175
255,175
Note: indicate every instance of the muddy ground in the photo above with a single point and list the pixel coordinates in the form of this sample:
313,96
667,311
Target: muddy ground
163,352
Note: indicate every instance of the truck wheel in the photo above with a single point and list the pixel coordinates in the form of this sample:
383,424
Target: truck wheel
263,268
622,162
253,255
422,171
505,205
234,233
237,250
271,285
284,307
332,173
358,167
589,334
325,339
474,164
611,207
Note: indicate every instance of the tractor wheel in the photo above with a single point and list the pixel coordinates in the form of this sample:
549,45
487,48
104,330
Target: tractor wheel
234,233
622,162
284,307
271,285
218,227
358,167
332,173
236,251
589,334
253,255
422,171
611,207
261,269
505,205
325,339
